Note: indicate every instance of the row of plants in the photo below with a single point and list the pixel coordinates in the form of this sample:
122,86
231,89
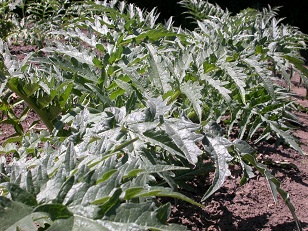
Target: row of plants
133,110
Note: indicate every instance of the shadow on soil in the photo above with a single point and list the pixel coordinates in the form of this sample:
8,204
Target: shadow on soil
236,223
261,220
295,176
288,226
289,170
223,220
217,217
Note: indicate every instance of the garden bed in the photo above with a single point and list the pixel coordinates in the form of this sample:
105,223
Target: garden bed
235,207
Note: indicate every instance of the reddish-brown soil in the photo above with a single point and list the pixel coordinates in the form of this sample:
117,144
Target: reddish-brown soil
251,207
235,207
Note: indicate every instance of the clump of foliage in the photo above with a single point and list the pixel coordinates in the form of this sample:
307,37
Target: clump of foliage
133,108
6,16
29,21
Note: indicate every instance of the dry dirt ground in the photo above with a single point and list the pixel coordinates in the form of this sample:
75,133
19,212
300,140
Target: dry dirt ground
235,207
251,207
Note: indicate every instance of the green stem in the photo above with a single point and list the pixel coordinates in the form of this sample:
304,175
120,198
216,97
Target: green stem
43,115
193,116
174,96
123,145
